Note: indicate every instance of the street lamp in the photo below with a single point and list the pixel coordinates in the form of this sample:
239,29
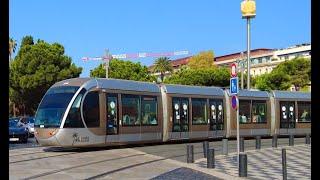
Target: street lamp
248,10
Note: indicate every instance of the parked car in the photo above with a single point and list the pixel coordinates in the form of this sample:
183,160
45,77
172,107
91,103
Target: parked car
17,132
28,122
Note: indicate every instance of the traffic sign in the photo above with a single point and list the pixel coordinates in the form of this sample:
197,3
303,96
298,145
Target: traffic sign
234,85
233,70
234,102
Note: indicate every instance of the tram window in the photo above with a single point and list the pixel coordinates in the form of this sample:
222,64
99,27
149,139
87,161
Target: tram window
304,111
199,111
149,110
91,111
244,111
130,110
259,110
74,118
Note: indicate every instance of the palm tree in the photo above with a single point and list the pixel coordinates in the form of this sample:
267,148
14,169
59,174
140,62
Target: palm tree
12,47
162,65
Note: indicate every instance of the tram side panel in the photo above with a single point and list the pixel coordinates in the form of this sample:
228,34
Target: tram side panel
254,117
140,118
290,117
195,116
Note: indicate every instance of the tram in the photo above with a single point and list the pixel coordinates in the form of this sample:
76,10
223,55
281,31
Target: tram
83,112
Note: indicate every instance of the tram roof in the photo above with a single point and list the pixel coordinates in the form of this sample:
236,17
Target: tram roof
292,95
196,90
251,94
128,85
72,82
248,93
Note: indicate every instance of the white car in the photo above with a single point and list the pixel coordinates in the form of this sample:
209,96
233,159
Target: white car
28,123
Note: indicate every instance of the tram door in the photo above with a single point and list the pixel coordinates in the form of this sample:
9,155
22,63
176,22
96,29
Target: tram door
180,108
216,116
287,116
112,114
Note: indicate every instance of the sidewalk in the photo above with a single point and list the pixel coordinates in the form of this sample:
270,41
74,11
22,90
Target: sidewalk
267,163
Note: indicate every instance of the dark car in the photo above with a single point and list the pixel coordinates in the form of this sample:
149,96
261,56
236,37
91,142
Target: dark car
17,132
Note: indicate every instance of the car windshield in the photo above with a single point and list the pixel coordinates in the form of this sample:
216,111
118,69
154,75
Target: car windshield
53,106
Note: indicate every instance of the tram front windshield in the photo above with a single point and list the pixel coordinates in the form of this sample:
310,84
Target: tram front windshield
53,106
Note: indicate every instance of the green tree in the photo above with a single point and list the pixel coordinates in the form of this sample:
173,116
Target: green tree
120,69
162,65
35,68
245,75
12,47
294,72
204,59
299,71
276,80
201,77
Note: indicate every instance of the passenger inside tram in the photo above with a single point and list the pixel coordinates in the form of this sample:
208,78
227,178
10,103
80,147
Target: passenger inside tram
304,116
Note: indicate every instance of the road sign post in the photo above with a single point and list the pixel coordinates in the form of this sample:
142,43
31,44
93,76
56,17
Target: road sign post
234,88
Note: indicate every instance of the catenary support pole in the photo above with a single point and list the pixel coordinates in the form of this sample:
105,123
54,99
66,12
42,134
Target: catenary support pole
248,53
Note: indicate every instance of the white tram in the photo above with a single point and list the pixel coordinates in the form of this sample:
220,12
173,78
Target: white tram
83,112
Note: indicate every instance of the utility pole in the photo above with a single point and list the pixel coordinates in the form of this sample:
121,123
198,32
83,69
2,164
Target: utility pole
248,53
241,69
107,59
248,9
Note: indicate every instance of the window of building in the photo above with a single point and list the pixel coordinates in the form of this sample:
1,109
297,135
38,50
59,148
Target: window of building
149,110
304,111
130,110
259,60
73,119
268,59
199,111
244,111
259,111
91,111
286,57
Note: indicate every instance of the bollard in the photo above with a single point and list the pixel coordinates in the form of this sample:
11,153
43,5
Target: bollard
258,142
190,158
284,164
291,140
210,158
205,146
242,165
275,141
225,146
242,144
308,139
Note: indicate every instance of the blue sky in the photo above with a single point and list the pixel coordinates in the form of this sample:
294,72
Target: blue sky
87,28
